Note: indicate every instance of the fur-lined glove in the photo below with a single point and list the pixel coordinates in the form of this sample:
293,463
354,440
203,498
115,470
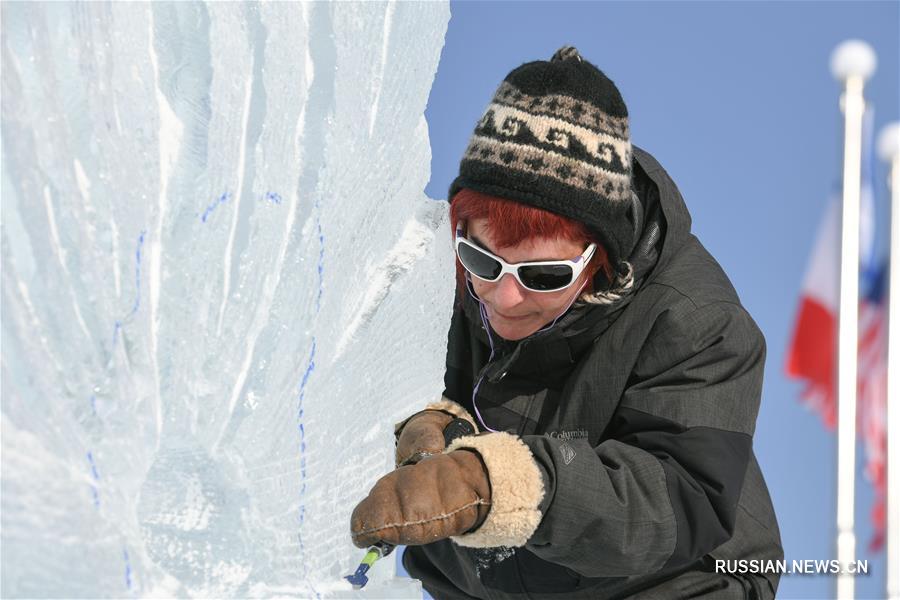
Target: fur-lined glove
484,491
441,496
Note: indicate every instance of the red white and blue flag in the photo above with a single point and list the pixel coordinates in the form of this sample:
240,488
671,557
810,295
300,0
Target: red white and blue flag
812,355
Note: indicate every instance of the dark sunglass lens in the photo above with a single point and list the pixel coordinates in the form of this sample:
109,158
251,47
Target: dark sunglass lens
546,277
480,264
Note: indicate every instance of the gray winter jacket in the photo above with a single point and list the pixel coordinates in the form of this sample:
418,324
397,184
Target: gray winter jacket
628,466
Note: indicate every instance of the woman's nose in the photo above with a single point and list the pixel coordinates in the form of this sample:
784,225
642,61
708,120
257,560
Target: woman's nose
508,292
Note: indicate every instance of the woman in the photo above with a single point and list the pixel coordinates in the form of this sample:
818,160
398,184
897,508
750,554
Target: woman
606,363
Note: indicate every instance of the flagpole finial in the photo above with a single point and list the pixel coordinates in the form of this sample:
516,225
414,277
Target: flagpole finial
853,58
889,142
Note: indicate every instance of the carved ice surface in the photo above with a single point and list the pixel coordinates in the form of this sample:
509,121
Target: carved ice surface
221,284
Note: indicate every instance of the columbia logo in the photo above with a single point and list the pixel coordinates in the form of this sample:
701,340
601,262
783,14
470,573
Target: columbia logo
568,453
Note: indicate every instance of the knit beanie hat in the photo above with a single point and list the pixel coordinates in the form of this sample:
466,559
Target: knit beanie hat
555,136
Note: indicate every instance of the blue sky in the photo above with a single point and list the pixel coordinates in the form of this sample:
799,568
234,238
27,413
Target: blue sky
737,102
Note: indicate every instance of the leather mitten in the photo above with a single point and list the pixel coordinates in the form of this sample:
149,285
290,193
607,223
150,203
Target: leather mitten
441,496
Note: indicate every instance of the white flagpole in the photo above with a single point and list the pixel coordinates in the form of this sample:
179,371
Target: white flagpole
852,62
889,151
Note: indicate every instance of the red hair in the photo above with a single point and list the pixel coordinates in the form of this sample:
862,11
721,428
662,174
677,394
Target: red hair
510,223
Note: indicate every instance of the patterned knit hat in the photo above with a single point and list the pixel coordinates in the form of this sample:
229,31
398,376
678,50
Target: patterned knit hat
555,136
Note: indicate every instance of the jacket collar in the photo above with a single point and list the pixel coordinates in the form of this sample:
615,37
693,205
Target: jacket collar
546,350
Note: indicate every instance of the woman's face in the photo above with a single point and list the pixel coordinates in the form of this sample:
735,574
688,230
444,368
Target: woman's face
514,311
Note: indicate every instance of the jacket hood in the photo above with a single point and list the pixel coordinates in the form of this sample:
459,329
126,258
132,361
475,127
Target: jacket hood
666,221
661,216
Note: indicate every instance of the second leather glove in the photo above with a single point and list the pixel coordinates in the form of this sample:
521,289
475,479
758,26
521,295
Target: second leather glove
421,436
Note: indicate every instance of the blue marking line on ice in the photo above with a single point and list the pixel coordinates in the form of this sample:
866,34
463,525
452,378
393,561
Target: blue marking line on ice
221,200
137,285
90,458
310,367
127,568
96,477
274,197
94,404
321,266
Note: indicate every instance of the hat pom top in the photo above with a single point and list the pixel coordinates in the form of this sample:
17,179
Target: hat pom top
566,53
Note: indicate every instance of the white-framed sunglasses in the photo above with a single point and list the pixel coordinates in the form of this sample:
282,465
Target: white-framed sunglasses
539,276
